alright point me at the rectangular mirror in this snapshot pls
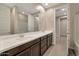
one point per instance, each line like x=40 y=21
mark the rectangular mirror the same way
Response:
x=18 y=18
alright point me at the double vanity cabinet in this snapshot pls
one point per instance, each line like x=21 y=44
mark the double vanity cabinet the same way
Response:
x=35 y=47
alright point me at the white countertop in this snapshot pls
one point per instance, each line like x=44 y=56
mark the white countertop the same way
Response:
x=11 y=41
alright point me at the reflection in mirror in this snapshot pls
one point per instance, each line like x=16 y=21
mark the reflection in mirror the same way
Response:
x=15 y=20
x=36 y=23
x=4 y=20
x=22 y=23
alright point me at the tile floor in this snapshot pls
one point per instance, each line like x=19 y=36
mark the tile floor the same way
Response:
x=59 y=49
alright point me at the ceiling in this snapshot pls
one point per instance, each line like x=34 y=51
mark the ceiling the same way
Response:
x=50 y=5
x=30 y=7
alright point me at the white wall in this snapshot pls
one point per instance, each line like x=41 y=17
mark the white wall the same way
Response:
x=74 y=18
x=76 y=28
x=4 y=20
x=74 y=8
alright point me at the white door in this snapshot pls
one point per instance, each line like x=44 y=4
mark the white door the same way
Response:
x=63 y=27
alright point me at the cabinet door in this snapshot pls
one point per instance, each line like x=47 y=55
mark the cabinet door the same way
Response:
x=26 y=52
x=43 y=50
x=43 y=46
x=35 y=49
x=49 y=39
x=43 y=43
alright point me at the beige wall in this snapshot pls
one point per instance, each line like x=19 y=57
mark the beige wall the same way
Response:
x=47 y=20
x=50 y=19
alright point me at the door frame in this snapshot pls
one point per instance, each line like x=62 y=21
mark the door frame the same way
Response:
x=68 y=24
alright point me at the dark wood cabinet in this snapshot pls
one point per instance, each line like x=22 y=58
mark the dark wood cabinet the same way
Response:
x=43 y=42
x=26 y=52
x=33 y=50
x=43 y=50
x=35 y=47
x=49 y=40
x=43 y=45
x=18 y=49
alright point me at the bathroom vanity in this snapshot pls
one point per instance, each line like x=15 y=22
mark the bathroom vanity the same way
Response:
x=30 y=45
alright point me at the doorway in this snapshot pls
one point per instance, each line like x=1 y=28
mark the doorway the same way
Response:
x=62 y=27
